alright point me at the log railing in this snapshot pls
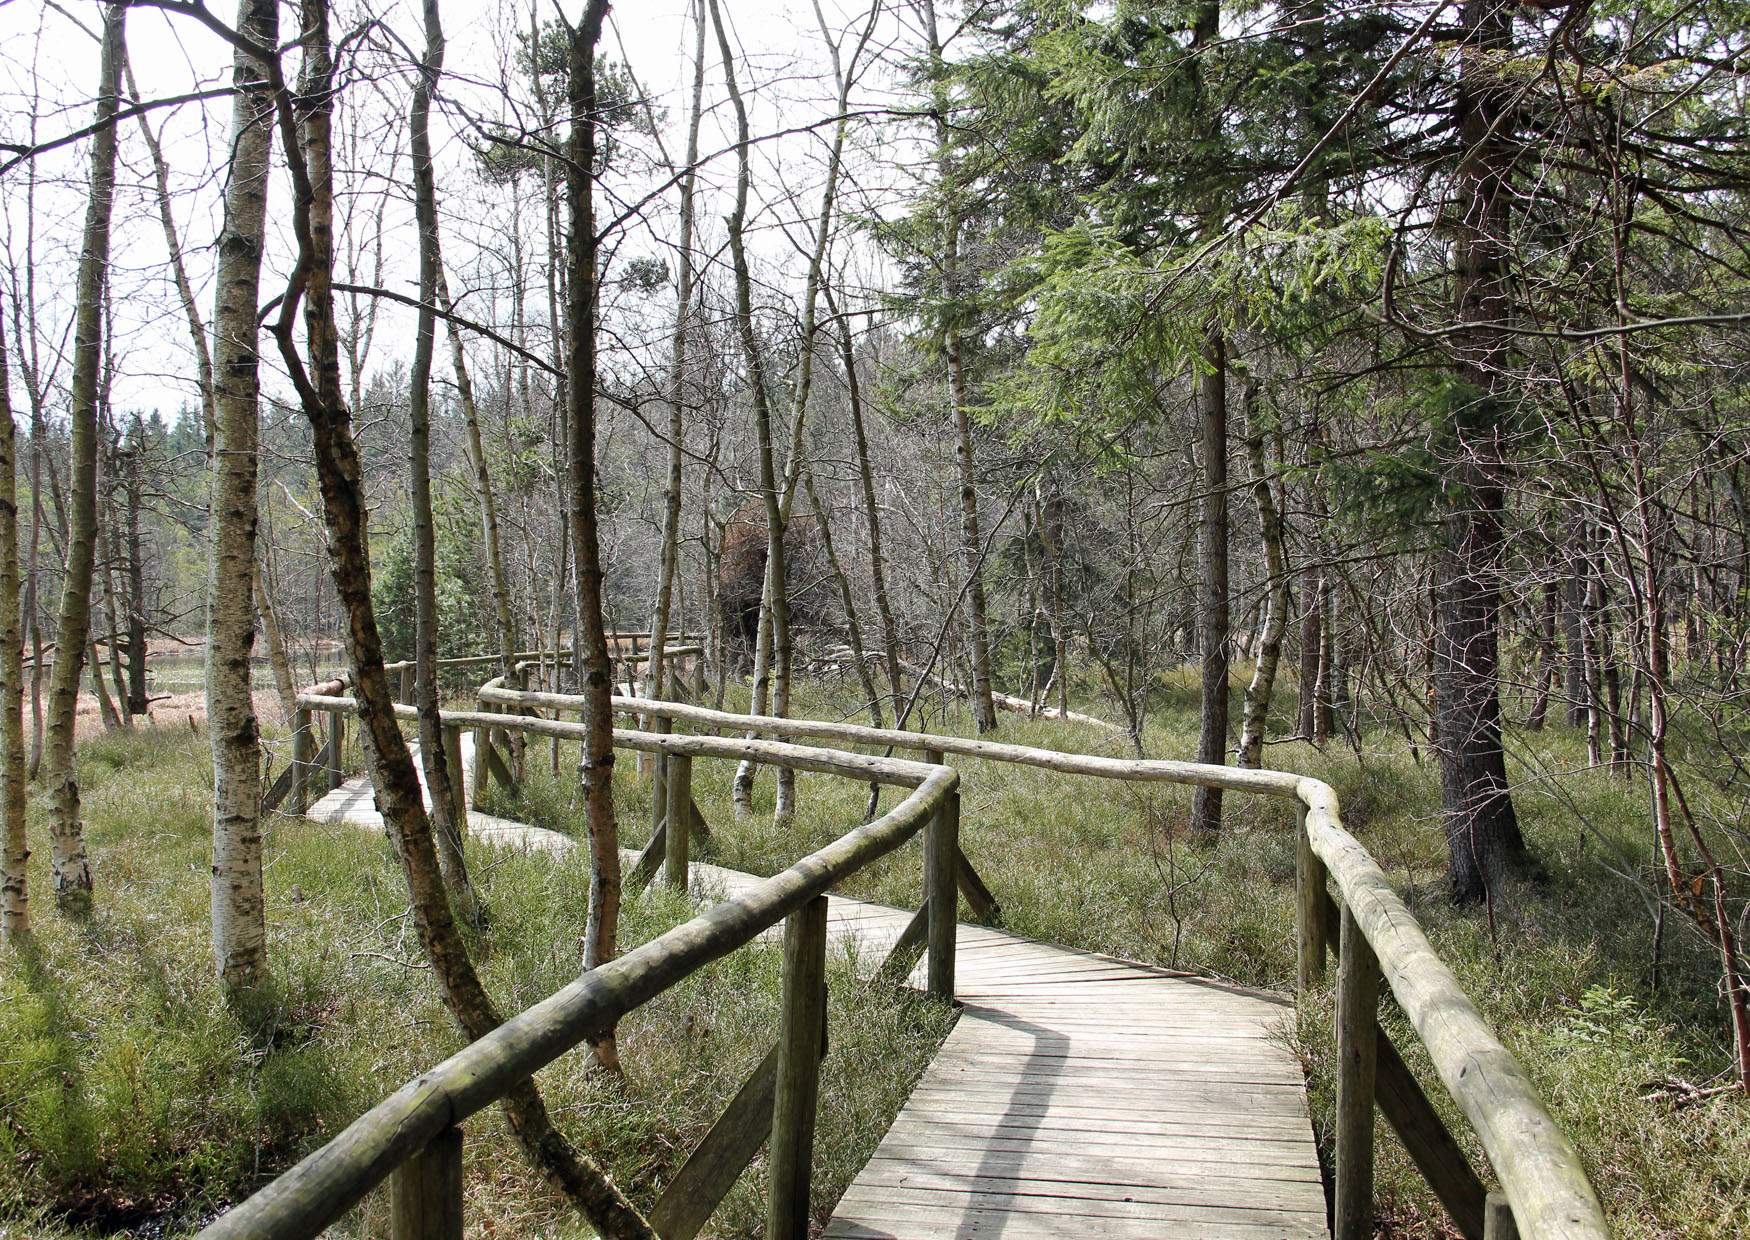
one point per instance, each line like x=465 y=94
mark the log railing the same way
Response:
x=414 y=1137
x=1545 y=1192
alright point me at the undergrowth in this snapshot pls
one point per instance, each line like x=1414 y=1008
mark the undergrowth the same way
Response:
x=132 y=1097
x=133 y=1101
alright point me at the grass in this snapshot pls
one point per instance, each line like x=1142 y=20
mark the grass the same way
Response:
x=127 y=1092
x=1565 y=974
x=133 y=1101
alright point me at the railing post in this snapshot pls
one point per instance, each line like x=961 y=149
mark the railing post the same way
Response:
x=678 y=791
x=1357 y=1068
x=336 y=741
x=941 y=888
x=1498 y=1221
x=1312 y=933
x=452 y=743
x=791 y=1151
x=406 y=687
x=426 y=1192
x=302 y=745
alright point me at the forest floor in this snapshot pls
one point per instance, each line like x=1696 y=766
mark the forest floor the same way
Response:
x=130 y=1097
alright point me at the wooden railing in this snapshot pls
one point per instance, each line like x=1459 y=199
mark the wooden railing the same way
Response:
x=414 y=1137
x=1545 y=1191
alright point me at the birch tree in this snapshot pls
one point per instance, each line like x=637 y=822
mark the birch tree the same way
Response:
x=72 y=868
x=239 y=907
x=15 y=848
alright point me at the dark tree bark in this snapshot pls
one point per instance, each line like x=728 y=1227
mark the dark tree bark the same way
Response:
x=1482 y=832
x=448 y=796
x=581 y=258
x=72 y=869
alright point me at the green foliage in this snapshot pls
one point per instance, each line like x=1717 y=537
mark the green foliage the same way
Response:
x=464 y=620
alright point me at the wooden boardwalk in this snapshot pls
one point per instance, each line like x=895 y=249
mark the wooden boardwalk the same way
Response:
x=1078 y=1095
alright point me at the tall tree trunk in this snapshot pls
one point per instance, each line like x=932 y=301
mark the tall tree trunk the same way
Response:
x=396 y=783
x=580 y=353
x=508 y=638
x=871 y=513
x=203 y=359
x=1212 y=609
x=72 y=869
x=138 y=699
x=1547 y=669
x=1482 y=831
x=1269 y=654
x=285 y=686
x=775 y=613
x=448 y=794
x=238 y=903
x=660 y=616
x=984 y=712
x=15 y=851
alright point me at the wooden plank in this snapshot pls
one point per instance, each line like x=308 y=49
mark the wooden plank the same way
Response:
x=715 y=1164
x=907 y=948
x=1064 y=1209
x=277 y=792
x=1119 y=1166
x=979 y=899
x=1437 y=1155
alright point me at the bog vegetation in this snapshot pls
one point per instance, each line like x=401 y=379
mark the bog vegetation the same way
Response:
x=1347 y=391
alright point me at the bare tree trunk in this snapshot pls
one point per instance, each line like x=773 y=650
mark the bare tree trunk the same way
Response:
x=15 y=853
x=238 y=904
x=72 y=870
x=1269 y=655
x=775 y=613
x=285 y=685
x=1547 y=670
x=984 y=712
x=138 y=699
x=508 y=638
x=871 y=510
x=396 y=782
x=448 y=795
x=203 y=360
x=597 y=771
x=660 y=616
x=1212 y=610
x=1482 y=831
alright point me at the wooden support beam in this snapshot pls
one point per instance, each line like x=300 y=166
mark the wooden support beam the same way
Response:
x=281 y=786
x=1498 y=1218
x=715 y=1164
x=677 y=789
x=336 y=743
x=798 y=1078
x=1430 y=1144
x=1357 y=1064
x=1313 y=906
x=644 y=869
x=303 y=745
x=701 y=828
x=495 y=766
x=941 y=848
x=906 y=948
x=425 y=1195
x=979 y=899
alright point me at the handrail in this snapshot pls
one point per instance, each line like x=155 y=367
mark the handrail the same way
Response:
x=322 y=1187
x=1540 y=1171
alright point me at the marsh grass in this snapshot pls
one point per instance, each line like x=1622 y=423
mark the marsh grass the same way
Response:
x=134 y=1101
x=1564 y=973
x=131 y=1094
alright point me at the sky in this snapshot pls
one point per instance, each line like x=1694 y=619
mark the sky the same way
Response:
x=48 y=67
